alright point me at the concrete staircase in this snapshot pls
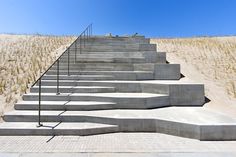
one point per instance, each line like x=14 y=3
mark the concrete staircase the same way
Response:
x=117 y=84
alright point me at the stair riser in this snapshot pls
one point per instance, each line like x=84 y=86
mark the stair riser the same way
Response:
x=119 y=86
x=119 y=54
x=118 y=40
x=48 y=77
x=73 y=53
x=94 y=68
x=121 y=102
x=158 y=56
x=124 y=46
x=55 y=132
x=84 y=50
x=108 y=60
x=117 y=75
x=65 y=107
x=115 y=41
x=133 y=104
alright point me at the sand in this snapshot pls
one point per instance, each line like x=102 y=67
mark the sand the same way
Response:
x=208 y=60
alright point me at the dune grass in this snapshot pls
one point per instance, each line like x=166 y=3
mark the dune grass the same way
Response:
x=214 y=57
x=22 y=57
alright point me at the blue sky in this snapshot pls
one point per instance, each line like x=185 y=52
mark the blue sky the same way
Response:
x=153 y=18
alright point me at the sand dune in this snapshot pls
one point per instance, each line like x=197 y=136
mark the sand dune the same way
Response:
x=210 y=60
x=22 y=57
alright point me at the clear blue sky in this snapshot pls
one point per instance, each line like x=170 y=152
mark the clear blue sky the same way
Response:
x=153 y=18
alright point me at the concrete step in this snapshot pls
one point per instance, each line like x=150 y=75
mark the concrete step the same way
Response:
x=106 y=40
x=78 y=77
x=123 y=100
x=115 y=57
x=122 y=45
x=108 y=66
x=129 y=75
x=188 y=122
x=111 y=44
x=73 y=89
x=65 y=105
x=96 y=67
x=107 y=60
x=110 y=48
x=159 y=57
x=51 y=129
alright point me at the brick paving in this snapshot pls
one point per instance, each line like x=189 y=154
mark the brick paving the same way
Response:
x=113 y=143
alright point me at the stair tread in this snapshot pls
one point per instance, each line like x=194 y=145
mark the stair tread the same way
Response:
x=63 y=103
x=189 y=115
x=116 y=71
x=79 y=87
x=117 y=94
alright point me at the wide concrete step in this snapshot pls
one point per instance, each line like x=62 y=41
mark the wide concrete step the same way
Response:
x=65 y=105
x=58 y=128
x=123 y=100
x=73 y=89
x=188 y=122
x=138 y=75
x=78 y=77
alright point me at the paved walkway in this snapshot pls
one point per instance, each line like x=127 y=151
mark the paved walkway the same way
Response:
x=118 y=144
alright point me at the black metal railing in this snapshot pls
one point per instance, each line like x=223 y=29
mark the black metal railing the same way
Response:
x=83 y=37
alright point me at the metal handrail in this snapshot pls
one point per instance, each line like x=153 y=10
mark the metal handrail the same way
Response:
x=87 y=33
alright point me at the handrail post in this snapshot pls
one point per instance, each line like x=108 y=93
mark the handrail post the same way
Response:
x=58 y=77
x=80 y=44
x=39 y=107
x=88 y=34
x=84 y=40
x=68 y=61
x=75 y=50
x=89 y=31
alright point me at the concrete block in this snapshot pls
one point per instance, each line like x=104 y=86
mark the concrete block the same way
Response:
x=167 y=71
x=186 y=95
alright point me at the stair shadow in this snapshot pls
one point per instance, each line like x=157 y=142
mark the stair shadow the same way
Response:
x=207 y=100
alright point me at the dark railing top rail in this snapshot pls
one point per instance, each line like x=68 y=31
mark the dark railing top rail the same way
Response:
x=88 y=27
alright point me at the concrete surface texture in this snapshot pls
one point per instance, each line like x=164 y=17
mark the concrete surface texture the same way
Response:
x=118 y=84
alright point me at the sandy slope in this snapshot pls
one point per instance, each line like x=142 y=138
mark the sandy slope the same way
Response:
x=211 y=61
x=21 y=59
